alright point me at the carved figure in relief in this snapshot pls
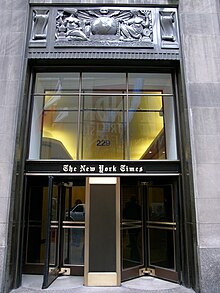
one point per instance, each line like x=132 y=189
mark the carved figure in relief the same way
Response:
x=111 y=25
x=70 y=28
x=74 y=27
x=136 y=27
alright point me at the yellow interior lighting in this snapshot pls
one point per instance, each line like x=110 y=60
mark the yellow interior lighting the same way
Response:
x=145 y=124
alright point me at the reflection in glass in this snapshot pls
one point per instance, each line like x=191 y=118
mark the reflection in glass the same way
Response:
x=37 y=207
x=160 y=204
x=161 y=248
x=74 y=218
x=73 y=246
x=53 y=246
x=54 y=225
x=103 y=120
x=140 y=81
x=75 y=203
x=59 y=135
x=131 y=247
x=102 y=127
x=57 y=81
x=132 y=251
x=55 y=203
x=103 y=115
x=148 y=227
x=161 y=226
x=146 y=127
x=102 y=81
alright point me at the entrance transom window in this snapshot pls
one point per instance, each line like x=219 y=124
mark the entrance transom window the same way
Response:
x=103 y=115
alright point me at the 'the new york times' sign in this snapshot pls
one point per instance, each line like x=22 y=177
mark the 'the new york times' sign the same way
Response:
x=102 y=168
x=116 y=168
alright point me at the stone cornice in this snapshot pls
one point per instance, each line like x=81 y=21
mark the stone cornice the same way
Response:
x=155 y=3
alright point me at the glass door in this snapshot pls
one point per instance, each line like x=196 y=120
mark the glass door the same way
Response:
x=53 y=235
x=54 y=227
x=131 y=230
x=73 y=226
x=148 y=228
x=160 y=231
x=65 y=229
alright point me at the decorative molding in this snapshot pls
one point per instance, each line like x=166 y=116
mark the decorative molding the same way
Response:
x=168 y=25
x=95 y=54
x=104 y=27
x=107 y=2
x=39 y=26
x=103 y=32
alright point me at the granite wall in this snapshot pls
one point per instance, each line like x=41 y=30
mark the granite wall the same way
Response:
x=200 y=35
x=13 y=14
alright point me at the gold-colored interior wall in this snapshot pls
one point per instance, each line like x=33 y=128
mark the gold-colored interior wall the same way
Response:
x=103 y=129
x=60 y=125
x=144 y=128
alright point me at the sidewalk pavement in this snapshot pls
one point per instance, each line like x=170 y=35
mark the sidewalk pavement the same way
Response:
x=70 y=284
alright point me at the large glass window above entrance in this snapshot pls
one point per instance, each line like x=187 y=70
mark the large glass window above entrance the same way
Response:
x=103 y=115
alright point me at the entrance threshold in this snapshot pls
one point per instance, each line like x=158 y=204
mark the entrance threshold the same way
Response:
x=32 y=284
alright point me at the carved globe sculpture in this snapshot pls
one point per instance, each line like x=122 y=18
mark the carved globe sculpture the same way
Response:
x=104 y=26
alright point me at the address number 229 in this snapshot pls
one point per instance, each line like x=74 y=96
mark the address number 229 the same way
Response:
x=103 y=142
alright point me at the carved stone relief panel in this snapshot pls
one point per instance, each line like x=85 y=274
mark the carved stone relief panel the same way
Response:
x=104 y=27
x=168 y=26
x=59 y=29
x=39 y=27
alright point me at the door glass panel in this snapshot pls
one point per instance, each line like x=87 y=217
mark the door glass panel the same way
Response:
x=37 y=207
x=53 y=246
x=161 y=248
x=148 y=227
x=65 y=244
x=161 y=226
x=54 y=227
x=160 y=204
x=74 y=246
x=74 y=225
x=132 y=249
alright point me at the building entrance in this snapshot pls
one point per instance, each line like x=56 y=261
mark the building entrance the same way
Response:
x=149 y=228
x=55 y=226
x=57 y=208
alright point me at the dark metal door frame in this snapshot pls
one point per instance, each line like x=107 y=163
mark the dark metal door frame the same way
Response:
x=159 y=271
x=50 y=274
x=53 y=271
x=148 y=269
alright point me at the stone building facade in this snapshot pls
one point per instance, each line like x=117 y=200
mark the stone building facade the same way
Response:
x=23 y=49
